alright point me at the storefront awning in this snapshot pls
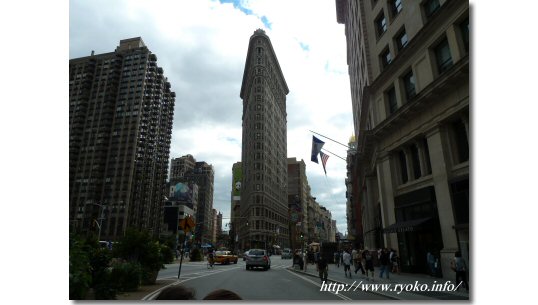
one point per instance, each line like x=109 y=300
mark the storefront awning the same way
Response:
x=405 y=226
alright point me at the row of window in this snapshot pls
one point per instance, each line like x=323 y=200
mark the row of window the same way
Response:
x=443 y=60
x=414 y=159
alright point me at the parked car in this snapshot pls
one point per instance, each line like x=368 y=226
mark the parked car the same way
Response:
x=286 y=253
x=258 y=258
x=225 y=257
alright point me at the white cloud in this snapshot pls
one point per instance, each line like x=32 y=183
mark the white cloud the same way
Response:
x=202 y=47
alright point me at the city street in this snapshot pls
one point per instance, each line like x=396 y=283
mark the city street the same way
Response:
x=277 y=283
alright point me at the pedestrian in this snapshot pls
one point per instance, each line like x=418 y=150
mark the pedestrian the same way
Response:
x=323 y=268
x=305 y=263
x=384 y=260
x=368 y=263
x=394 y=260
x=337 y=259
x=357 y=260
x=176 y=292
x=222 y=294
x=347 y=263
x=459 y=265
x=430 y=259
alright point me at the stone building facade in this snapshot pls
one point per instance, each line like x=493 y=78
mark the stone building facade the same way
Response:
x=409 y=176
x=264 y=201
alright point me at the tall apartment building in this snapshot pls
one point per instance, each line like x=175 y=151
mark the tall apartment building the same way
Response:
x=120 y=124
x=409 y=74
x=186 y=169
x=264 y=199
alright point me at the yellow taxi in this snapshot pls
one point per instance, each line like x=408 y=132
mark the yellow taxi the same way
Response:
x=225 y=257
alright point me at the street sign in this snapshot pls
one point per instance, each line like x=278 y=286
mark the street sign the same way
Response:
x=186 y=224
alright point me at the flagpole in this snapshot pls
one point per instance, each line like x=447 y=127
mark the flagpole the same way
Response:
x=330 y=139
x=334 y=154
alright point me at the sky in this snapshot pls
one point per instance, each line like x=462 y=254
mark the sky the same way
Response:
x=202 y=46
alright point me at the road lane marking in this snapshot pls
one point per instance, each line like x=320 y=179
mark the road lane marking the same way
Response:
x=154 y=294
x=343 y=297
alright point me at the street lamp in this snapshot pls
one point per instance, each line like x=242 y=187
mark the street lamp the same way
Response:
x=100 y=223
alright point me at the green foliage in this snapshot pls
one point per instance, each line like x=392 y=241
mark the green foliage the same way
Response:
x=103 y=286
x=138 y=246
x=195 y=255
x=126 y=276
x=79 y=270
x=167 y=254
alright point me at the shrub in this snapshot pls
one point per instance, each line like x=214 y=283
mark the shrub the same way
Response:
x=138 y=246
x=79 y=270
x=126 y=276
x=167 y=254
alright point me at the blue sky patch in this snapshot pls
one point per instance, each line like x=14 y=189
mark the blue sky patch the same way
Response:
x=237 y=5
x=304 y=46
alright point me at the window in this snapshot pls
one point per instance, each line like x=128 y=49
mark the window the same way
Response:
x=409 y=84
x=442 y=54
x=430 y=7
x=464 y=27
x=461 y=142
x=401 y=40
x=396 y=6
x=391 y=98
x=403 y=166
x=381 y=24
x=416 y=161
x=427 y=156
x=386 y=58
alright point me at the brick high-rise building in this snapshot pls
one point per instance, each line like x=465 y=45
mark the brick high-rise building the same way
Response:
x=263 y=211
x=120 y=124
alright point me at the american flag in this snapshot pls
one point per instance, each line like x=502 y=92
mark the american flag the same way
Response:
x=324 y=158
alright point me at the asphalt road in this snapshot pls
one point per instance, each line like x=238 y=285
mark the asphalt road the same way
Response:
x=277 y=283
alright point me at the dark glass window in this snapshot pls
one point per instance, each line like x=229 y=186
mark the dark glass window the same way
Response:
x=401 y=40
x=430 y=7
x=396 y=7
x=461 y=141
x=442 y=54
x=409 y=84
x=393 y=104
x=381 y=24
x=403 y=166
x=386 y=58
x=464 y=27
x=427 y=156
x=416 y=161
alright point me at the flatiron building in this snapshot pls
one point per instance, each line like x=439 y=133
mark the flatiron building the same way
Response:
x=263 y=214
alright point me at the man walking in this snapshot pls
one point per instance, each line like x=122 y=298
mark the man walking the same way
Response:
x=347 y=263
x=323 y=268
x=385 y=263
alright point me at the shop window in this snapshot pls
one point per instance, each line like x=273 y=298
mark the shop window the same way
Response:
x=461 y=142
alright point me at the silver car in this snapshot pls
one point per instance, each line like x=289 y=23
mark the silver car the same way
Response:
x=258 y=258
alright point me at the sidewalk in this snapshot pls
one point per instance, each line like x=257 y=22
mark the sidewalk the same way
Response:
x=336 y=274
